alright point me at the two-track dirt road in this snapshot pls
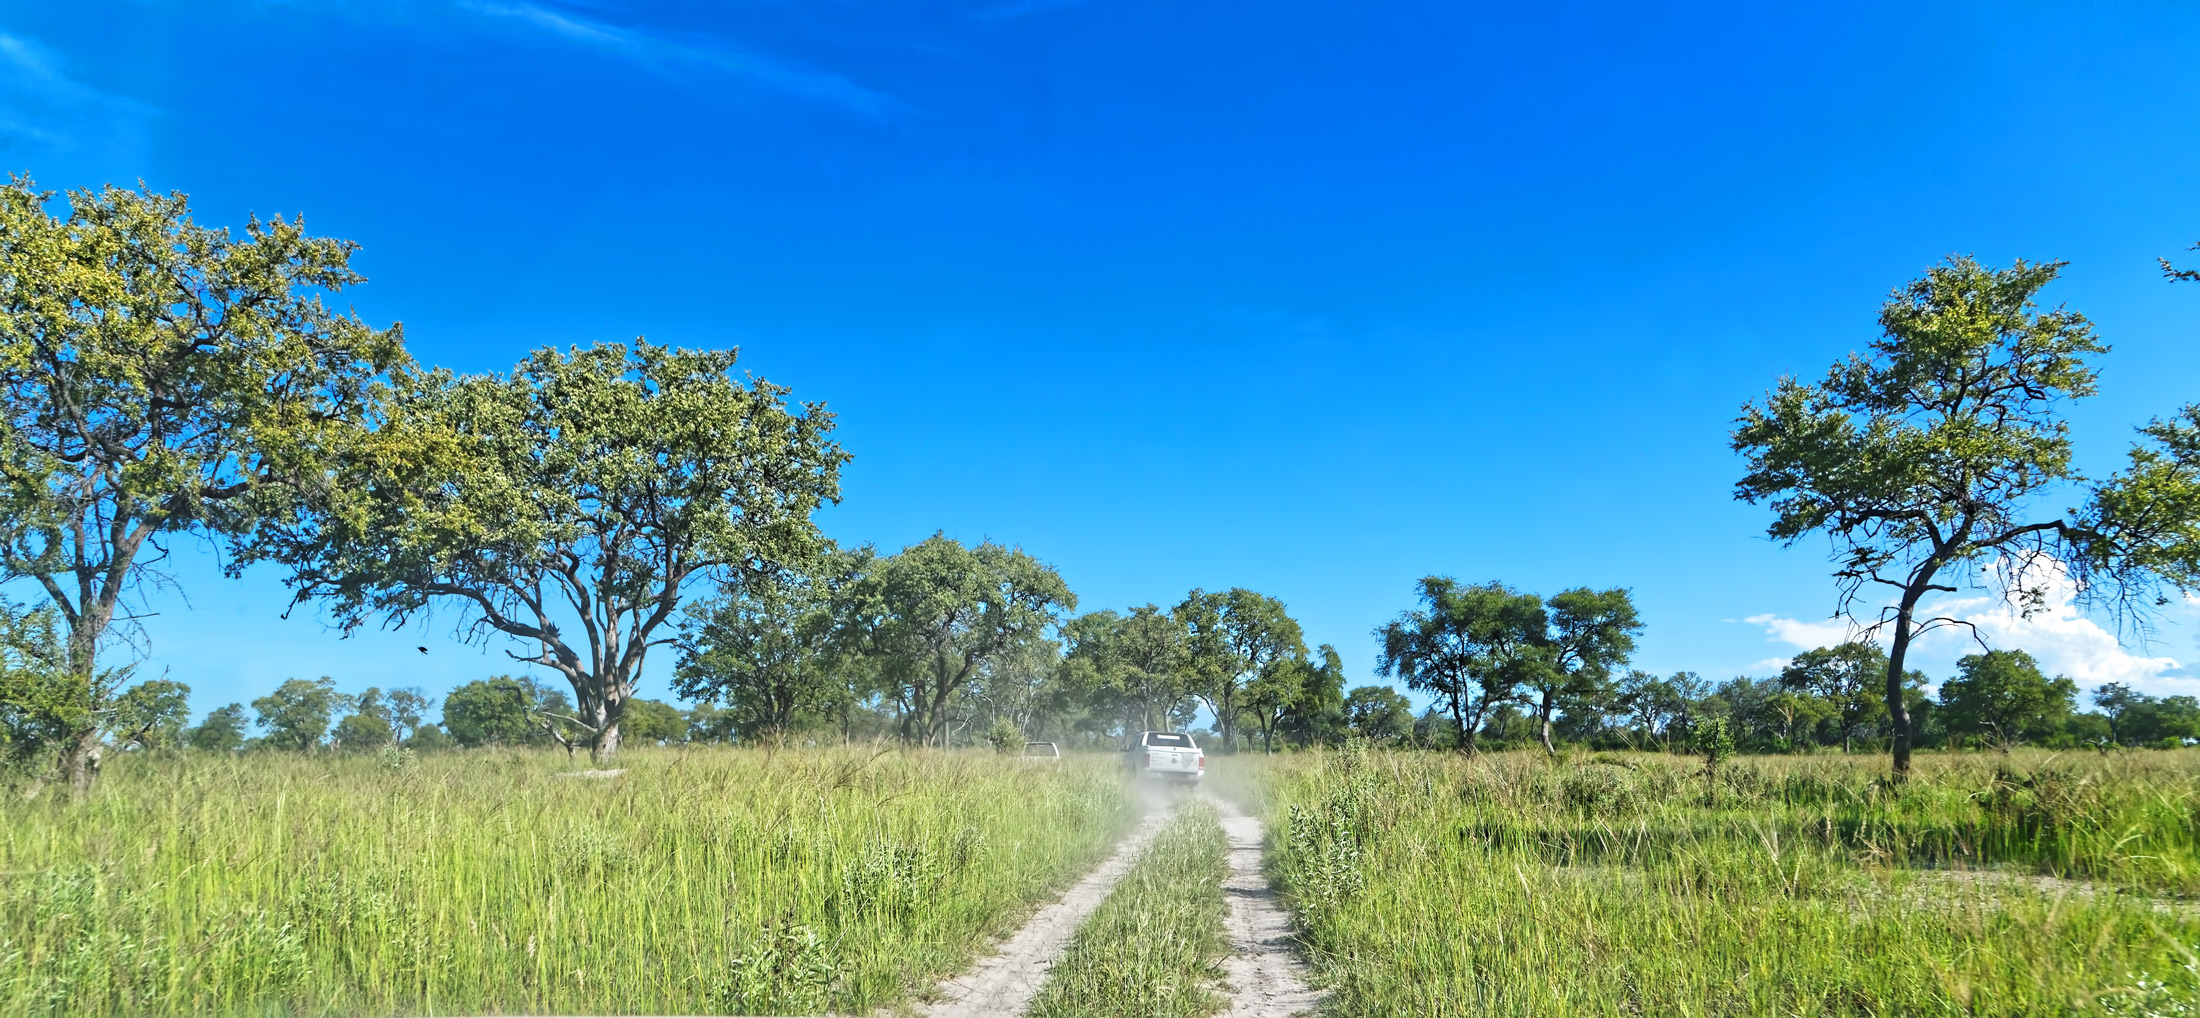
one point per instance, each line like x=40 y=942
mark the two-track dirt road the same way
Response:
x=1265 y=977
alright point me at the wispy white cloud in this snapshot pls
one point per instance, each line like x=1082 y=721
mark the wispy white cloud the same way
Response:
x=41 y=104
x=2063 y=638
x=1805 y=635
x=661 y=52
x=1020 y=8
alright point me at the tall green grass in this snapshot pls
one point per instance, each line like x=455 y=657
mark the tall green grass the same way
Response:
x=1154 y=948
x=1509 y=885
x=705 y=881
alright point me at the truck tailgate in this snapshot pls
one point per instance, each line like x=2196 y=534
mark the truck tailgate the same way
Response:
x=1163 y=758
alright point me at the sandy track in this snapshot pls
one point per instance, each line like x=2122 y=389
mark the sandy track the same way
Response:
x=1004 y=983
x=1267 y=979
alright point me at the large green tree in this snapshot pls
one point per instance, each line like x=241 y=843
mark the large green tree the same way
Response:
x=2002 y=695
x=161 y=378
x=1926 y=462
x=1315 y=716
x=506 y=710
x=296 y=714
x=1232 y=638
x=566 y=505
x=1378 y=714
x=1132 y=666
x=222 y=731
x=764 y=647
x=1847 y=679
x=940 y=614
x=1470 y=645
x=1275 y=693
x=1588 y=633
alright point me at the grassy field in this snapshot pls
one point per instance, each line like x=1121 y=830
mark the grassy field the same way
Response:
x=1154 y=948
x=742 y=881
x=2030 y=884
x=712 y=881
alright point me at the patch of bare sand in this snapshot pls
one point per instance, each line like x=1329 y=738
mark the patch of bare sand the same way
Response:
x=1266 y=977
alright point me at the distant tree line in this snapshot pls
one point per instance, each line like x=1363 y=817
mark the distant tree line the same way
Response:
x=1825 y=699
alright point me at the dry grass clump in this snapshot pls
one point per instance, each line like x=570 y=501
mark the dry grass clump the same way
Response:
x=700 y=881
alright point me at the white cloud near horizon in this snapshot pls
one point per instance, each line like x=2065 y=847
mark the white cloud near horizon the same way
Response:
x=2059 y=635
x=661 y=52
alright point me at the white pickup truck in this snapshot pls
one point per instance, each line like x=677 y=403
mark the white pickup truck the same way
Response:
x=1171 y=755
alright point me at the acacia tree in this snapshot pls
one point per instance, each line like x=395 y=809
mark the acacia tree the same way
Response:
x=1589 y=633
x=1469 y=645
x=938 y=614
x=1646 y=701
x=161 y=378
x=1231 y=638
x=1924 y=463
x=566 y=505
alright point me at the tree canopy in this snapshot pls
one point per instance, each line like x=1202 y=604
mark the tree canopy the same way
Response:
x=1469 y=645
x=1137 y=664
x=161 y=378
x=1925 y=463
x=765 y=648
x=1232 y=638
x=2003 y=695
x=939 y=614
x=565 y=505
x=1588 y=634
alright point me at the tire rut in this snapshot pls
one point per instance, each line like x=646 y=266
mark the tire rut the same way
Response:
x=1004 y=983
x=1266 y=977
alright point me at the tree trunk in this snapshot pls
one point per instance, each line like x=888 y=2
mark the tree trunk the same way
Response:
x=1898 y=713
x=80 y=756
x=1548 y=706
x=605 y=745
x=80 y=762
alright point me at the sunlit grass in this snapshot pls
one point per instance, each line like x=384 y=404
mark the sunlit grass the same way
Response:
x=1154 y=948
x=704 y=881
x=1509 y=885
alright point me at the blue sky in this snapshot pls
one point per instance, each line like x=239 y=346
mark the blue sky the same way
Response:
x=1309 y=298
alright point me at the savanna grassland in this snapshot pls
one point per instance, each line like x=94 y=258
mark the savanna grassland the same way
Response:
x=2027 y=884
x=700 y=881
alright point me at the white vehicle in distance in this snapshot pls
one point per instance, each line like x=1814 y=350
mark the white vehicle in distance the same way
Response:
x=1042 y=752
x=1170 y=755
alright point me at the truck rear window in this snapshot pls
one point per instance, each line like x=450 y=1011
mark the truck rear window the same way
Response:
x=1160 y=739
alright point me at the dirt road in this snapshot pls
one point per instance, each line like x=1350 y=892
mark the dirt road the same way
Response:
x=1004 y=983
x=1267 y=979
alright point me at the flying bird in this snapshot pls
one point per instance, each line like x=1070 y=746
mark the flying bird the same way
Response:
x=423 y=650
